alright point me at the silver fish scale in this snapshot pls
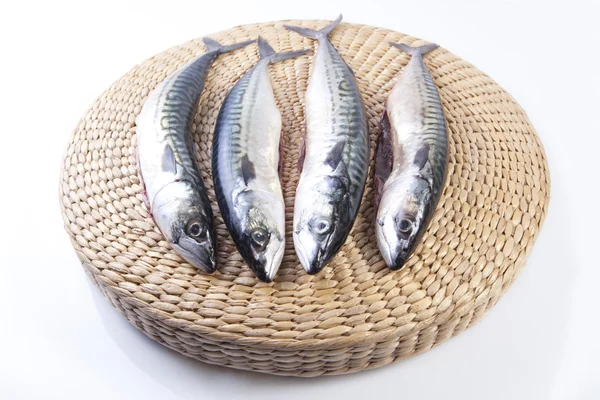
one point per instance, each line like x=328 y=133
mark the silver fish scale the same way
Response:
x=414 y=146
x=427 y=107
x=178 y=101
x=232 y=119
x=348 y=122
x=245 y=169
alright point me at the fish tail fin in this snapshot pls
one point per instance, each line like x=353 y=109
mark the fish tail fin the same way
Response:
x=213 y=45
x=264 y=48
x=310 y=33
x=327 y=30
x=422 y=50
x=266 y=52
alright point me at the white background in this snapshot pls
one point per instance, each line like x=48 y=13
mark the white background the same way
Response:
x=59 y=339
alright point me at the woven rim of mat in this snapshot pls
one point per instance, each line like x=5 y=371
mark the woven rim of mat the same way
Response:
x=356 y=313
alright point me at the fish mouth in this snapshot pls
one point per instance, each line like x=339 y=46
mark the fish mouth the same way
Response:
x=260 y=272
x=399 y=260
x=301 y=253
x=275 y=262
x=311 y=253
x=316 y=266
x=386 y=252
x=202 y=258
x=263 y=272
x=319 y=262
x=265 y=266
x=396 y=256
x=392 y=250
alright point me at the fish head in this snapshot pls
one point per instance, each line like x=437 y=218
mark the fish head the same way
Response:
x=262 y=238
x=404 y=212
x=177 y=212
x=322 y=221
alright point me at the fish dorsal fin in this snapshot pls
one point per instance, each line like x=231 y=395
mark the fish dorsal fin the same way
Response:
x=168 y=162
x=248 y=172
x=422 y=156
x=335 y=155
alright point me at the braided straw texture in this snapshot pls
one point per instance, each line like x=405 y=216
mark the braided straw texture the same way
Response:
x=356 y=314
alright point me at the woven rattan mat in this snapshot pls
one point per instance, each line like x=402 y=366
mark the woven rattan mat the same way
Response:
x=355 y=314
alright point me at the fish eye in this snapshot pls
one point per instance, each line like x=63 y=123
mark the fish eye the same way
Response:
x=321 y=226
x=194 y=228
x=405 y=225
x=259 y=238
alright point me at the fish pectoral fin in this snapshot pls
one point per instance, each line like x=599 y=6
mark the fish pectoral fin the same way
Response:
x=427 y=177
x=422 y=156
x=168 y=162
x=302 y=155
x=280 y=162
x=383 y=156
x=335 y=155
x=248 y=172
x=384 y=153
x=378 y=184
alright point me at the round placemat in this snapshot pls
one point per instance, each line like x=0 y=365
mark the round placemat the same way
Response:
x=356 y=313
